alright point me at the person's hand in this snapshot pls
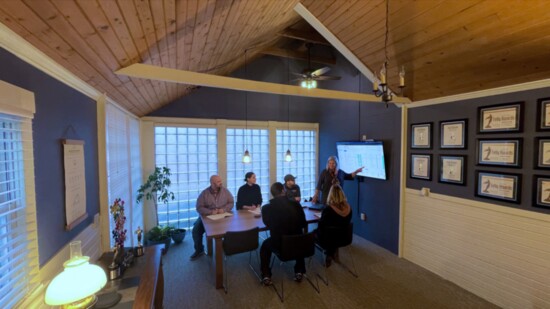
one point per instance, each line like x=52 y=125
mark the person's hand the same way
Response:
x=221 y=211
x=314 y=200
x=297 y=199
x=359 y=170
x=248 y=207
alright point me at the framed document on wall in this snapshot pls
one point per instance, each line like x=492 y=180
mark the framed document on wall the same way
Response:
x=542 y=146
x=541 y=188
x=499 y=186
x=500 y=118
x=543 y=114
x=421 y=135
x=421 y=166
x=504 y=152
x=452 y=169
x=453 y=133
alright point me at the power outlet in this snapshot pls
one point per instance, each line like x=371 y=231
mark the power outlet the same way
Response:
x=364 y=216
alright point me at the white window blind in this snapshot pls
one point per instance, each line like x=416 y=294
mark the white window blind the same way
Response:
x=18 y=245
x=303 y=146
x=123 y=167
x=191 y=154
x=258 y=145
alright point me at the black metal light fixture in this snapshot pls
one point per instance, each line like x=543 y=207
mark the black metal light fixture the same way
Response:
x=380 y=86
x=288 y=155
x=246 y=156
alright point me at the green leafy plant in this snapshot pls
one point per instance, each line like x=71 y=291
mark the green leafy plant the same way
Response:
x=159 y=233
x=156 y=188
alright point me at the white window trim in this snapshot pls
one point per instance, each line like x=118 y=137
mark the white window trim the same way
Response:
x=148 y=144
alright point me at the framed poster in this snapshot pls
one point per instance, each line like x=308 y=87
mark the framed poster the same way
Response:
x=543 y=114
x=499 y=186
x=75 y=182
x=452 y=169
x=503 y=152
x=453 y=133
x=421 y=135
x=421 y=166
x=542 y=146
x=500 y=118
x=541 y=188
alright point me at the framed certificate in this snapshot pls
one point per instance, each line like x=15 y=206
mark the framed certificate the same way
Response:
x=452 y=169
x=499 y=186
x=504 y=152
x=500 y=118
x=421 y=135
x=453 y=133
x=541 y=188
x=542 y=146
x=421 y=166
x=543 y=114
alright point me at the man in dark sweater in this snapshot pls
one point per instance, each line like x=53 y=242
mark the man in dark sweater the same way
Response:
x=282 y=217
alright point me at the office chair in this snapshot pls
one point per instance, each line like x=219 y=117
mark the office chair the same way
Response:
x=240 y=242
x=337 y=237
x=294 y=247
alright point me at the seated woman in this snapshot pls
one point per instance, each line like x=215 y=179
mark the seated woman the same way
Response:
x=337 y=214
x=249 y=195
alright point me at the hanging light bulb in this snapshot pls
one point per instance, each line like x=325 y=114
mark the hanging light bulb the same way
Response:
x=246 y=157
x=288 y=156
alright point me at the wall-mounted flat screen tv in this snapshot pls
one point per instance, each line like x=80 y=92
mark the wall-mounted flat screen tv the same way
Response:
x=370 y=155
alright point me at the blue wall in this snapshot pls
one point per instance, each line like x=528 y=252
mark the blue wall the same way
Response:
x=58 y=108
x=338 y=120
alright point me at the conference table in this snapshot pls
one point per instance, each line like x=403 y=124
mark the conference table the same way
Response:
x=241 y=220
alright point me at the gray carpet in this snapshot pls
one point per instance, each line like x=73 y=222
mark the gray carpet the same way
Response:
x=385 y=281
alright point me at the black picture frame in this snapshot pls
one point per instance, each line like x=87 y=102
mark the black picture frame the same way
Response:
x=543 y=114
x=453 y=134
x=421 y=135
x=542 y=152
x=499 y=154
x=452 y=169
x=498 y=186
x=541 y=191
x=421 y=166
x=500 y=118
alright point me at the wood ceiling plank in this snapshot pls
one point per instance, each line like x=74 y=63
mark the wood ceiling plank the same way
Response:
x=357 y=12
x=203 y=21
x=156 y=8
x=326 y=10
x=236 y=48
x=146 y=20
x=41 y=31
x=341 y=11
x=131 y=18
x=119 y=25
x=185 y=23
x=170 y=24
x=221 y=12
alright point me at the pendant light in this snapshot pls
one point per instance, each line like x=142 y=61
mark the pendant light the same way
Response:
x=246 y=156
x=288 y=155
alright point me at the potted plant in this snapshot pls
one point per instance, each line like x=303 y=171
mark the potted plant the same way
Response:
x=178 y=235
x=159 y=235
x=156 y=188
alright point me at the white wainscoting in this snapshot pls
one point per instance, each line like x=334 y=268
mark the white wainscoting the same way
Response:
x=500 y=253
x=91 y=247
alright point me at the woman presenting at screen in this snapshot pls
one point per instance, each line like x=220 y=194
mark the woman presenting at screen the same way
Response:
x=330 y=176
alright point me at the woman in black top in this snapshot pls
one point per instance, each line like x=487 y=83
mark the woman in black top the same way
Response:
x=336 y=214
x=249 y=195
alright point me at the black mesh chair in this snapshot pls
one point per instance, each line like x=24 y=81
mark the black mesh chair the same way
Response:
x=240 y=242
x=337 y=237
x=296 y=247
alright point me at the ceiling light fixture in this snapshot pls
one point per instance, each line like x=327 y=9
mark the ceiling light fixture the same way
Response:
x=380 y=86
x=288 y=155
x=246 y=156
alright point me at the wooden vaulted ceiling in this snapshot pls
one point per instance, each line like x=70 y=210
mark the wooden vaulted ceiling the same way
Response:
x=446 y=47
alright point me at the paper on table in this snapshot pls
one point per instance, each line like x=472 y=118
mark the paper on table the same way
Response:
x=317 y=214
x=257 y=211
x=219 y=216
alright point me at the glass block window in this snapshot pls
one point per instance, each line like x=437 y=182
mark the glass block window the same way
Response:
x=303 y=146
x=257 y=142
x=191 y=154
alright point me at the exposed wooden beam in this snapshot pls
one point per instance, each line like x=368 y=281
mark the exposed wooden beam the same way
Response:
x=310 y=37
x=292 y=54
x=200 y=79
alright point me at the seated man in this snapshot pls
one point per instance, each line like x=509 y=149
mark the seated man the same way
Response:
x=282 y=217
x=292 y=190
x=213 y=200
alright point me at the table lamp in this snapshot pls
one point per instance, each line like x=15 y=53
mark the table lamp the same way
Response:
x=76 y=285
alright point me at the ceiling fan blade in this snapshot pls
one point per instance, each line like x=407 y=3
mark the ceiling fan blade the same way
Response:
x=320 y=71
x=326 y=77
x=299 y=74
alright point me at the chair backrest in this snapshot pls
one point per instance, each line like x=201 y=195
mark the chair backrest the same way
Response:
x=297 y=246
x=239 y=242
x=336 y=236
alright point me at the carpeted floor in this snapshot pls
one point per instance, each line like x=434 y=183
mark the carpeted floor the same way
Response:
x=385 y=281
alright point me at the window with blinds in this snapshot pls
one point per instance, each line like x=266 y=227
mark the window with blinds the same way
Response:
x=303 y=146
x=191 y=154
x=17 y=219
x=123 y=166
x=257 y=142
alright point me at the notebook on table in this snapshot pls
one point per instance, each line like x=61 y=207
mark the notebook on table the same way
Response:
x=313 y=206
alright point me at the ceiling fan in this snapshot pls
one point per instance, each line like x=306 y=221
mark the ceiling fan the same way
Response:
x=309 y=77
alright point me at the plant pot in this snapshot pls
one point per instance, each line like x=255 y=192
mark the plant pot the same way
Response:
x=178 y=235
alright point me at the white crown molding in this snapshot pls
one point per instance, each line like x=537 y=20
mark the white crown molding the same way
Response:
x=544 y=83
